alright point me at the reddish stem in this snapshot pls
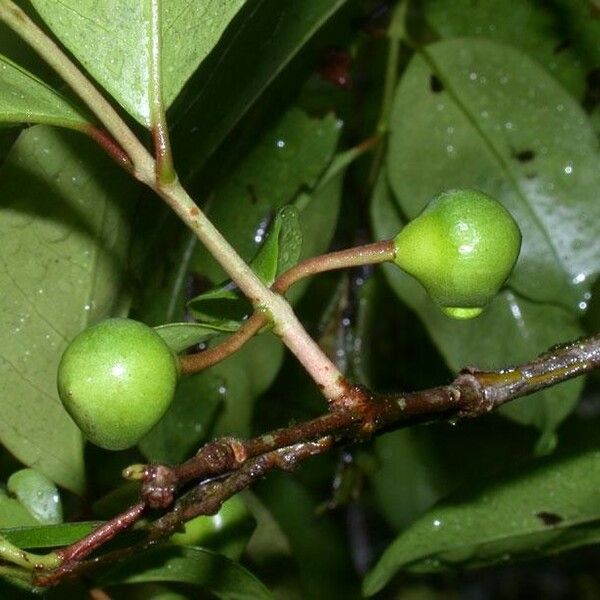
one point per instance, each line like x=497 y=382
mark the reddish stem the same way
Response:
x=111 y=147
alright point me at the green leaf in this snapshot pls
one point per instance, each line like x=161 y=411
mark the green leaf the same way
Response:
x=503 y=125
x=221 y=576
x=528 y=328
x=38 y=494
x=561 y=38
x=282 y=247
x=26 y=99
x=13 y=513
x=529 y=511
x=198 y=400
x=318 y=546
x=48 y=536
x=112 y=41
x=222 y=306
x=180 y=336
x=64 y=234
x=226 y=532
x=288 y=159
x=225 y=307
x=277 y=32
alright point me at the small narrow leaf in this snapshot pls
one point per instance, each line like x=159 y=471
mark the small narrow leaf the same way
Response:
x=287 y=162
x=48 y=536
x=221 y=306
x=26 y=99
x=282 y=247
x=179 y=336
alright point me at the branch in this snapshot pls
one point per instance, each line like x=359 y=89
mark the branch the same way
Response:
x=226 y=466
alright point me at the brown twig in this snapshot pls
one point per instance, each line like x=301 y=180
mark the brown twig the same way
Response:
x=471 y=394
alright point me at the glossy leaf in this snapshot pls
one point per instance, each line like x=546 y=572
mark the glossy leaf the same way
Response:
x=49 y=536
x=113 y=42
x=527 y=512
x=194 y=566
x=37 y=494
x=26 y=99
x=289 y=158
x=528 y=328
x=215 y=102
x=546 y=35
x=179 y=336
x=282 y=247
x=501 y=124
x=64 y=233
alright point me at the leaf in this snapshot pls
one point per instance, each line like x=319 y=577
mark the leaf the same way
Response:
x=37 y=494
x=112 y=40
x=48 y=536
x=410 y=477
x=194 y=566
x=215 y=102
x=179 y=336
x=282 y=247
x=287 y=159
x=64 y=234
x=503 y=125
x=317 y=544
x=222 y=306
x=561 y=38
x=225 y=307
x=528 y=328
x=26 y=99
x=226 y=532
x=13 y=513
x=527 y=512
x=198 y=401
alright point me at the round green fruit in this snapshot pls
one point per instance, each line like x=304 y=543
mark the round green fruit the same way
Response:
x=461 y=248
x=116 y=379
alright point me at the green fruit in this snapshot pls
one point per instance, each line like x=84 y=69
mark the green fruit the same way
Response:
x=461 y=248
x=116 y=379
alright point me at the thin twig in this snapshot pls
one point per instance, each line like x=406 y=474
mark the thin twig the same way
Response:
x=21 y=24
x=471 y=394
